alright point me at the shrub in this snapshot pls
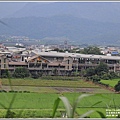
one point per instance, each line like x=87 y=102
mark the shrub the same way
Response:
x=117 y=86
x=21 y=72
x=106 y=76
x=95 y=78
x=34 y=75
x=6 y=74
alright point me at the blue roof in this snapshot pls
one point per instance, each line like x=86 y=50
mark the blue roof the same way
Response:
x=114 y=52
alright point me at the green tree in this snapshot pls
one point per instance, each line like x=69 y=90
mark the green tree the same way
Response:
x=91 y=50
x=101 y=69
x=21 y=72
x=90 y=72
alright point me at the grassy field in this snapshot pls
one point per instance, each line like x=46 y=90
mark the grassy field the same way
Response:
x=48 y=83
x=39 y=102
x=111 y=83
x=52 y=86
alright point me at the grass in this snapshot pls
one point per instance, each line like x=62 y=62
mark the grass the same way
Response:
x=52 y=86
x=44 y=102
x=31 y=89
x=31 y=113
x=81 y=111
x=111 y=83
x=39 y=103
x=48 y=83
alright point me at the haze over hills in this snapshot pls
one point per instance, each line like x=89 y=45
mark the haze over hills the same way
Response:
x=100 y=11
x=9 y=8
x=79 y=22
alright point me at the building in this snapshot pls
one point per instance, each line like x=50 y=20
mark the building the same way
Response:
x=51 y=63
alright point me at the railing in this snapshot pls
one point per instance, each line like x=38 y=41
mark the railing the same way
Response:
x=46 y=69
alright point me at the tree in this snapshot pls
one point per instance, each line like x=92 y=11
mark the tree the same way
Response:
x=91 y=50
x=21 y=72
x=101 y=69
x=90 y=72
x=117 y=86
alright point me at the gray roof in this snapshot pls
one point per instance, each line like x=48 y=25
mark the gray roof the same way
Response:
x=77 y=55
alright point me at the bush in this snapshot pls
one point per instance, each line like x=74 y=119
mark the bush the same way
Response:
x=113 y=75
x=106 y=76
x=34 y=75
x=117 y=86
x=6 y=74
x=21 y=72
x=95 y=78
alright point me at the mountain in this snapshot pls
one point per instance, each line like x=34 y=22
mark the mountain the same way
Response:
x=8 y=8
x=51 y=22
x=98 y=11
x=76 y=30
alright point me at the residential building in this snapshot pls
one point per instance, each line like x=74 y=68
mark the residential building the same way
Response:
x=57 y=63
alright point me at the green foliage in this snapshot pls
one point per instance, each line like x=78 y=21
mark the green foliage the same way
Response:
x=106 y=76
x=95 y=78
x=36 y=75
x=6 y=74
x=90 y=72
x=100 y=72
x=21 y=72
x=117 y=86
x=70 y=109
x=101 y=69
x=113 y=75
x=91 y=50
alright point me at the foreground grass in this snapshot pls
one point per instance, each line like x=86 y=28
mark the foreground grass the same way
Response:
x=45 y=101
x=40 y=104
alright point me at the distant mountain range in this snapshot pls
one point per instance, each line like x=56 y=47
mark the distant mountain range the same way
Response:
x=78 y=22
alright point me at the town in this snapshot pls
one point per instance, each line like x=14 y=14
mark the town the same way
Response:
x=65 y=59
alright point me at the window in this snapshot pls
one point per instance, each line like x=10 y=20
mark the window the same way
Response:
x=68 y=61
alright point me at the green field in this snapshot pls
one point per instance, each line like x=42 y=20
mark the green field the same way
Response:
x=111 y=83
x=52 y=86
x=38 y=103
x=48 y=83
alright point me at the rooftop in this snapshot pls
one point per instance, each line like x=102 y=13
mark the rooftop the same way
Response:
x=77 y=55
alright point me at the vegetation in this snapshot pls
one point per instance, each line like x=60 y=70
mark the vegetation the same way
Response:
x=96 y=73
x=14 y=100
x=70 y=109
x=41 y=104
x=111 y=82
x=48 y=83
x=117 y=86
x=91 y=50
x=100 y=72
x=21 y=72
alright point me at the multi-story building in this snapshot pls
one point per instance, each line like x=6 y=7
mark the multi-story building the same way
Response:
x=61 y=63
